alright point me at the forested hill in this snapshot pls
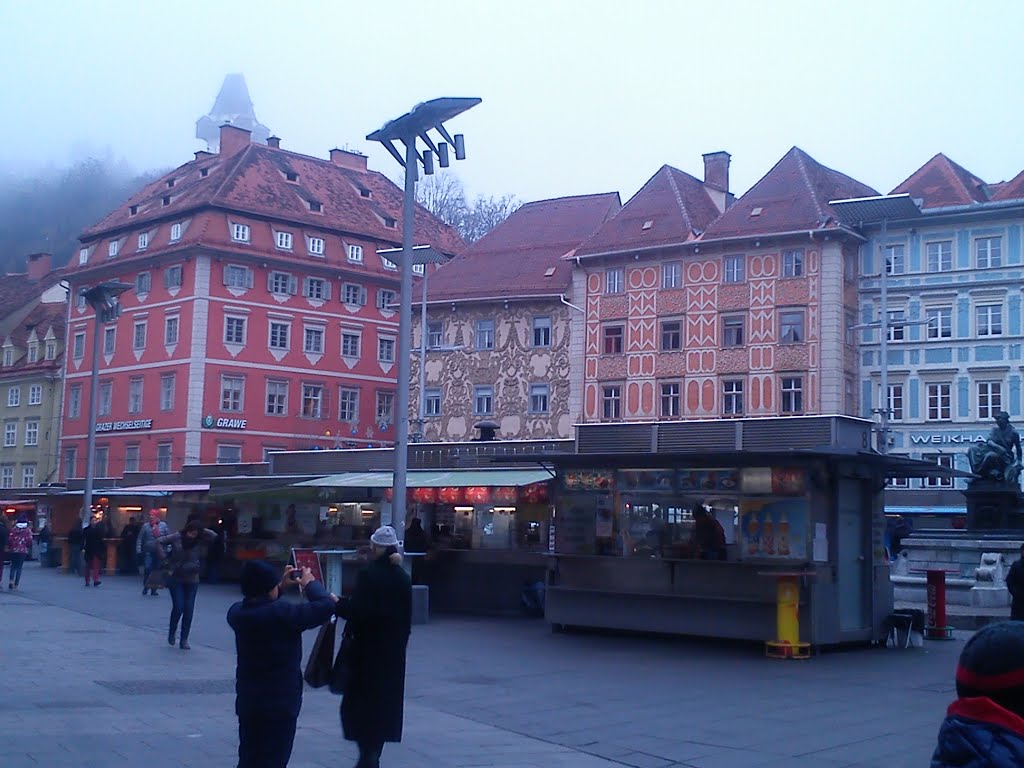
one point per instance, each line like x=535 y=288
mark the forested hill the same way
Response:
x=48 y=210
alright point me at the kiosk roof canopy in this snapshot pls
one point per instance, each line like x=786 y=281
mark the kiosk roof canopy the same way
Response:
x=432 y=479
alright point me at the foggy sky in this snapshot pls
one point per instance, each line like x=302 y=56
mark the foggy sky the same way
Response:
x=578 y=96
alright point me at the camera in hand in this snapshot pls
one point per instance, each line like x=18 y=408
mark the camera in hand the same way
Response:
x=295 y=575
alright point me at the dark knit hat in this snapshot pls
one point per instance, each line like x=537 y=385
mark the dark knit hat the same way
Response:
x=258 y=578
x=992 y=665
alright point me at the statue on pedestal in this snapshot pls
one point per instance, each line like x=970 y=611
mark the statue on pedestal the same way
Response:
x=998 y=459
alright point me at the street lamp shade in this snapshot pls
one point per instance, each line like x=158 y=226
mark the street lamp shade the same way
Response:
x=423 y=117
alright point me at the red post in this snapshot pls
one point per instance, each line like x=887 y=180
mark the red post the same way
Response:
x=936 y=628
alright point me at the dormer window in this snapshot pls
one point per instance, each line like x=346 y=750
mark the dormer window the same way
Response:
x=167 y=200
x=314 y=206
x=170 y=183
x=204 y=172
x=417 y=269
x=316 y=246
x=175 y=232
x=33 y=353
x=113 y=248
x=390 y=223
x=240 y=233
x=647 y=224
x=756 y=211
x=8 y=358
x=132 y=210
x=143 y=241
x=365 y=193
x=83 y=256
x=51 y=350
x=284 y=241
x=291 y=176
x=388 y=264
x=355 y=254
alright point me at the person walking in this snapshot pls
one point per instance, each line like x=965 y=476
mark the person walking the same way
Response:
x=984 y=727
x=268 y=645
x=183 y=563
x=146 y=545
x=19 y=543
x=379 y=615
x=4 y=535
x=126 y=551
x=76 y=537
x=1015 y=585
x=215 y=554
x=95 y=546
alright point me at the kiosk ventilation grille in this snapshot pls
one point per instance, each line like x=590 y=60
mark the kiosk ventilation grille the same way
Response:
x=615 y=438
x=681 y=437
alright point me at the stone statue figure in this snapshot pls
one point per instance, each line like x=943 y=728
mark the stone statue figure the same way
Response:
x=998 y=458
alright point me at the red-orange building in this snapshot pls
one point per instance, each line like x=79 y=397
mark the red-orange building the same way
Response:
x=260 y=316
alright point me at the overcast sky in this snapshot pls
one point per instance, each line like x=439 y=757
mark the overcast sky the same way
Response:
x=578 y=96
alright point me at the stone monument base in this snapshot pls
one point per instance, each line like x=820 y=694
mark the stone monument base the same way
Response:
x=994 y=507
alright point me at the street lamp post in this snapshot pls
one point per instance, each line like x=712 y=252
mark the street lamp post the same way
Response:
x=407 y=129
x=880 y=210
x=102 y=298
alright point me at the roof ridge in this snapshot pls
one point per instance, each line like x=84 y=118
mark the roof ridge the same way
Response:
x=801 y=159
x=228 y=171
x=678 y=196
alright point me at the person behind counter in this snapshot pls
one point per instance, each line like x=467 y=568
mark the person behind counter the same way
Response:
x=708 y=534
x=183 y=564
x=416 y=540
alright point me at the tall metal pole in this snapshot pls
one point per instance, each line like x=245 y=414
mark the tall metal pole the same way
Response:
x=423 y=358
x=404 y=341
x=883 y=301
x=94 y=406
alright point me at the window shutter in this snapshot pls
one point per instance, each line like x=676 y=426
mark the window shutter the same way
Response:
x=270 y=282
x=327 y=290
x=293 y=284
x=223 y=274
x=325 y=404
x=362 y=295
x=248 y=278
x=167 y=278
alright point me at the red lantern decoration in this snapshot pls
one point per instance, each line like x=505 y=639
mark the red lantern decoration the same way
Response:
x=504 y=495
x=478 y=494
x=449 y=495
x=424 y=495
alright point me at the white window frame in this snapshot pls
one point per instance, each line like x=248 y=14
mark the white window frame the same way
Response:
x=112 y=248
x=939 y=256
x=611 y=402
x=896 y=327
x=432 y=403
x=172 y=327
x=355 y=254
x=284 y=240
x=10 y=434
x=353 y=294
x=164 y=457
x=348 y=404
x=672 y=275
x=232 y=393
x=278 y=325
x=732 y=397
x=540 y=398
x=281 y=283
x=386 y=349
x=483 y=400
x=241 y=233
x=13 y=397
x=990 y=399
x=28 y=475
x=989 y=256
x=895 y=259
x=106 y=406
x=351 y=344
x=895 y=402
x=783 y=313
x=386 y=297
x=793 y=263
x=139 y=341
x=791 y=388
x=35 y=394
x=235 y=329
x=614 y=280
x=168 y=392
x=939 y=323
x=143 y=242
x=175 y=232
x=109 y=339
x=31 y=433
x=276 y=400
x=988 y=320
x=312 y=401
x=6 y=477
x=734 y=330
x=316 y=289
x=313 y=339
x=939 y=400
x=943 y=460
x=75 y=401
x=78 y=345
x=229 y=453
x=542 y=327
x=670 y=399
x=51 y=350
x=734 y=268
x=136 y=388
x=316 y=246
x=131 y=458
x=384 y=407
x=484 y=334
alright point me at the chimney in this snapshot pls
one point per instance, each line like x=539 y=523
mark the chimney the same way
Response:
x=274 y=142
x=716 y=170
x=233 y=139
x=39 y=266
x=202 y=154
x=346 y=159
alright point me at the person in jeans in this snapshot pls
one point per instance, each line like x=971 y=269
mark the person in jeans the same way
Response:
x=4 y=534
x=268 y=643
x=95 y=548
x=19 y=543
x=184 y=563
x=146 y=545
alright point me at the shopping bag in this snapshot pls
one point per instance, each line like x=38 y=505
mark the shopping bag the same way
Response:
x=341 y=672
x=321 y=659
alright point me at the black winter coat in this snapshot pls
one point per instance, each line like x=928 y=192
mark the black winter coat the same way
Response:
x=4 y=535
x=978 y=733
x=379 y=614
x=93 y=539
x=1015 y=584
x=268 y=641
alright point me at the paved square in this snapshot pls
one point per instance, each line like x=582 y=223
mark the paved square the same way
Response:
x=89 y=680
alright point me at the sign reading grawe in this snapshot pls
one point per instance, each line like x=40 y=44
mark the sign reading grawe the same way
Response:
x=124 y=426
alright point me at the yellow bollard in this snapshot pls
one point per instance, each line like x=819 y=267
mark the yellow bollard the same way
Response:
x=787 y=644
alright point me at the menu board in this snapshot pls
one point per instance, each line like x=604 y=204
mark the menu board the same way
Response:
x=774 y=529
x=308 y=558
x=647 y=479
x=588 y=480
x=708 y=480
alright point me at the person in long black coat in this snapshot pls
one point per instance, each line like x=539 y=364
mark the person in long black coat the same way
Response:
x=379 y=615
x=94 y=541
x=1015 y=585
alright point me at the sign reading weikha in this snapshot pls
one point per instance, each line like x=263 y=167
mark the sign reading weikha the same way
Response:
x=124 y=426
x=221 y=423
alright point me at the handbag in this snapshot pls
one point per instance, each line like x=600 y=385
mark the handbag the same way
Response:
x=320 y=664
x=341 y=672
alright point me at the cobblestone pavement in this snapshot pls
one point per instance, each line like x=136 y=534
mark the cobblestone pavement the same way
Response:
x=89 y=680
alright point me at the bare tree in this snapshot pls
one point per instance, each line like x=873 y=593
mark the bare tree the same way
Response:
x=444 y=196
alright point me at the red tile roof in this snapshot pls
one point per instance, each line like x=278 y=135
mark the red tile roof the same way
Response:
x=792 y=196
x=1009 y=190
x=514 y=259
x=255 y=181
x=940 y=183
x=42 y=318
x=673 y=207
x=17 y=290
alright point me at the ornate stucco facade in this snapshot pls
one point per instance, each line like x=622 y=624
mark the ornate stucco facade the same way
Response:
x=523 y=376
